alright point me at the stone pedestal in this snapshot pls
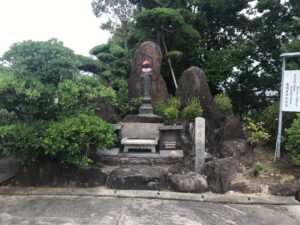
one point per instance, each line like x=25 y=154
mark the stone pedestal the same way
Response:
x=169 y=137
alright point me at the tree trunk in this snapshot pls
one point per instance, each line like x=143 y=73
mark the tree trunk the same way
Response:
x=169 y=61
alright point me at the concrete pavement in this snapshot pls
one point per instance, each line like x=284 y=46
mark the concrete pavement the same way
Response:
x=103 y=206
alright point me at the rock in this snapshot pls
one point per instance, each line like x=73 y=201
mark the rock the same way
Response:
x=245 y=188
x=90 y=177
x=152 y=52
x=42 y=172
x=285 y=189
x=192 y=83
x=239 y=149
x=139 y=177
x=191 y=182
x=232 y=129
x=8 y=168
x=220 y=173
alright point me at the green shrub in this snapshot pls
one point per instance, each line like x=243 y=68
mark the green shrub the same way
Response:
x=171 y=115
x=293 y=140
x=160 y=107
x=7 y=117
x=169 y=110
x=73 y=139
x=270 y=119
x=257 y=169
x=121 y=87
x=223 y=103
x=21 y=141
x=192 y=110
x=255 y=131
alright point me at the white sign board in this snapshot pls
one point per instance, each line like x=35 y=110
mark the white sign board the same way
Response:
x=291 y=91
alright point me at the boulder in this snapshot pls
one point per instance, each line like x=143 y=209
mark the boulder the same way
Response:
x=192 y=83
x=139 y=177
x=286 y=189
x=40 y=173
x=220 y=173
x=90 y=177
x=232 y=129
x=8 y=168
x=152 y=52
x=191 y=182
x=238 y=149
x=244 y=188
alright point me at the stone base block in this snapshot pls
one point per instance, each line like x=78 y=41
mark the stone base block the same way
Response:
x=109 y=152
x=171 y=153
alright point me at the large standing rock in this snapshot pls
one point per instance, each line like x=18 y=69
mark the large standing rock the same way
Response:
x=147 y=51
x=191 y=182
x=238 y=149
x=137 y=177
x=220 y=173
x=232 y=129
x=191 y=84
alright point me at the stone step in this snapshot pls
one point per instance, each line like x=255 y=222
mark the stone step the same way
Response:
x=109 y=160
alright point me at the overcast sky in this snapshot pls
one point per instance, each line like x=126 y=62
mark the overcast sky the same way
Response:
x=70 y=21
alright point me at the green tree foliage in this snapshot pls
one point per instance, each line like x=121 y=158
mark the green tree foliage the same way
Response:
x=270 y=118
x=293 y=137
x=115 y=70
x=120 y=13
x=49 y=62
x=47 y=108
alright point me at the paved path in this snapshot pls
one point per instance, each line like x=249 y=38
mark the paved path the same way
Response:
x=70 y=210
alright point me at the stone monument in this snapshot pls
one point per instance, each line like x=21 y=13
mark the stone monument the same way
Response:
x=146 y=110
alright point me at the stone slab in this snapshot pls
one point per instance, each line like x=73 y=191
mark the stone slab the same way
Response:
x=140 y=155
x=139 y=141
x=143 y=119
x=109 y=152
x=140 y=130
x=171 y=127
x=171 y=153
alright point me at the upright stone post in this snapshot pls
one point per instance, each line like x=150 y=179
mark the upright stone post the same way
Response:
x=199 y=144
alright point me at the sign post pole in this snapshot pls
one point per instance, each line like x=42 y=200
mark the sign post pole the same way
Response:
x=278 y=140
x=288 y=102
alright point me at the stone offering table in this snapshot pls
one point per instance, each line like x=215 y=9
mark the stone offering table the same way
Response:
x=132 y=143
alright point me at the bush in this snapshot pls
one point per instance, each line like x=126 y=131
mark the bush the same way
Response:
x=7 y=117
x=21 y=141
x=270 y=119
x=169 y=110
x=293 y=140
x=73 y=139
x=223 y=103
x=171 y=115
x=257 y=169
x=192 y=110
x=255 y=132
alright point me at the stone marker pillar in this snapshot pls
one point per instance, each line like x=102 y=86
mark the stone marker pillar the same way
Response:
x=199 y=144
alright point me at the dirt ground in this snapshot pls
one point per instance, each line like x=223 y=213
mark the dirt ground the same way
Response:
x=281 y=171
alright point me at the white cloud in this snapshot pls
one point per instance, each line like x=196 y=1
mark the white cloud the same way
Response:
x=70 y=21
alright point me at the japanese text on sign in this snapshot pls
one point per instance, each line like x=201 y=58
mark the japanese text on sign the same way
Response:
x=291 y=91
